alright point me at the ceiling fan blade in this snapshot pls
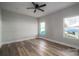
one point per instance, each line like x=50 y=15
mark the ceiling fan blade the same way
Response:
x=34 y=10
x=33 y=3
x=41 y=10
x=42 y=5
x=31 y=8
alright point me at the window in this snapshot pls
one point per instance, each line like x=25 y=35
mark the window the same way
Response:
x=71 y=27
x=42 y=28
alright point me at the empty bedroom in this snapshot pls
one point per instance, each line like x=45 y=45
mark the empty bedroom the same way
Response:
x=39 y=29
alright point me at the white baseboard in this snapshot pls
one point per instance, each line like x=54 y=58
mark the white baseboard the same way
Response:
x=21 y=39
x=60 y=43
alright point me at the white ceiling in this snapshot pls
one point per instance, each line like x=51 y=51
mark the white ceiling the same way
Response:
x=20 y=7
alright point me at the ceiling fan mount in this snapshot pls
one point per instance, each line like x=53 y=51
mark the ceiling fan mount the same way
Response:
x=37 y=7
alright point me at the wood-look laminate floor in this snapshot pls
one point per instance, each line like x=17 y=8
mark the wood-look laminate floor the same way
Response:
x=37 y=47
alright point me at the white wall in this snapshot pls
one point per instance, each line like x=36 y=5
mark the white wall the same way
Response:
x=0 y=26
x=15 y=27
x=54 y=25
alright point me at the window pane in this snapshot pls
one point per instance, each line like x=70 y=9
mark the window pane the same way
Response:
x=42 y=28
x=71 y=27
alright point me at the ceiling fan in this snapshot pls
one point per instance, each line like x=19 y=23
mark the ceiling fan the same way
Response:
x=37 y=7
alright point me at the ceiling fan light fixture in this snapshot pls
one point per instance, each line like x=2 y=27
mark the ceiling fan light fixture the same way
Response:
x=37 y=7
